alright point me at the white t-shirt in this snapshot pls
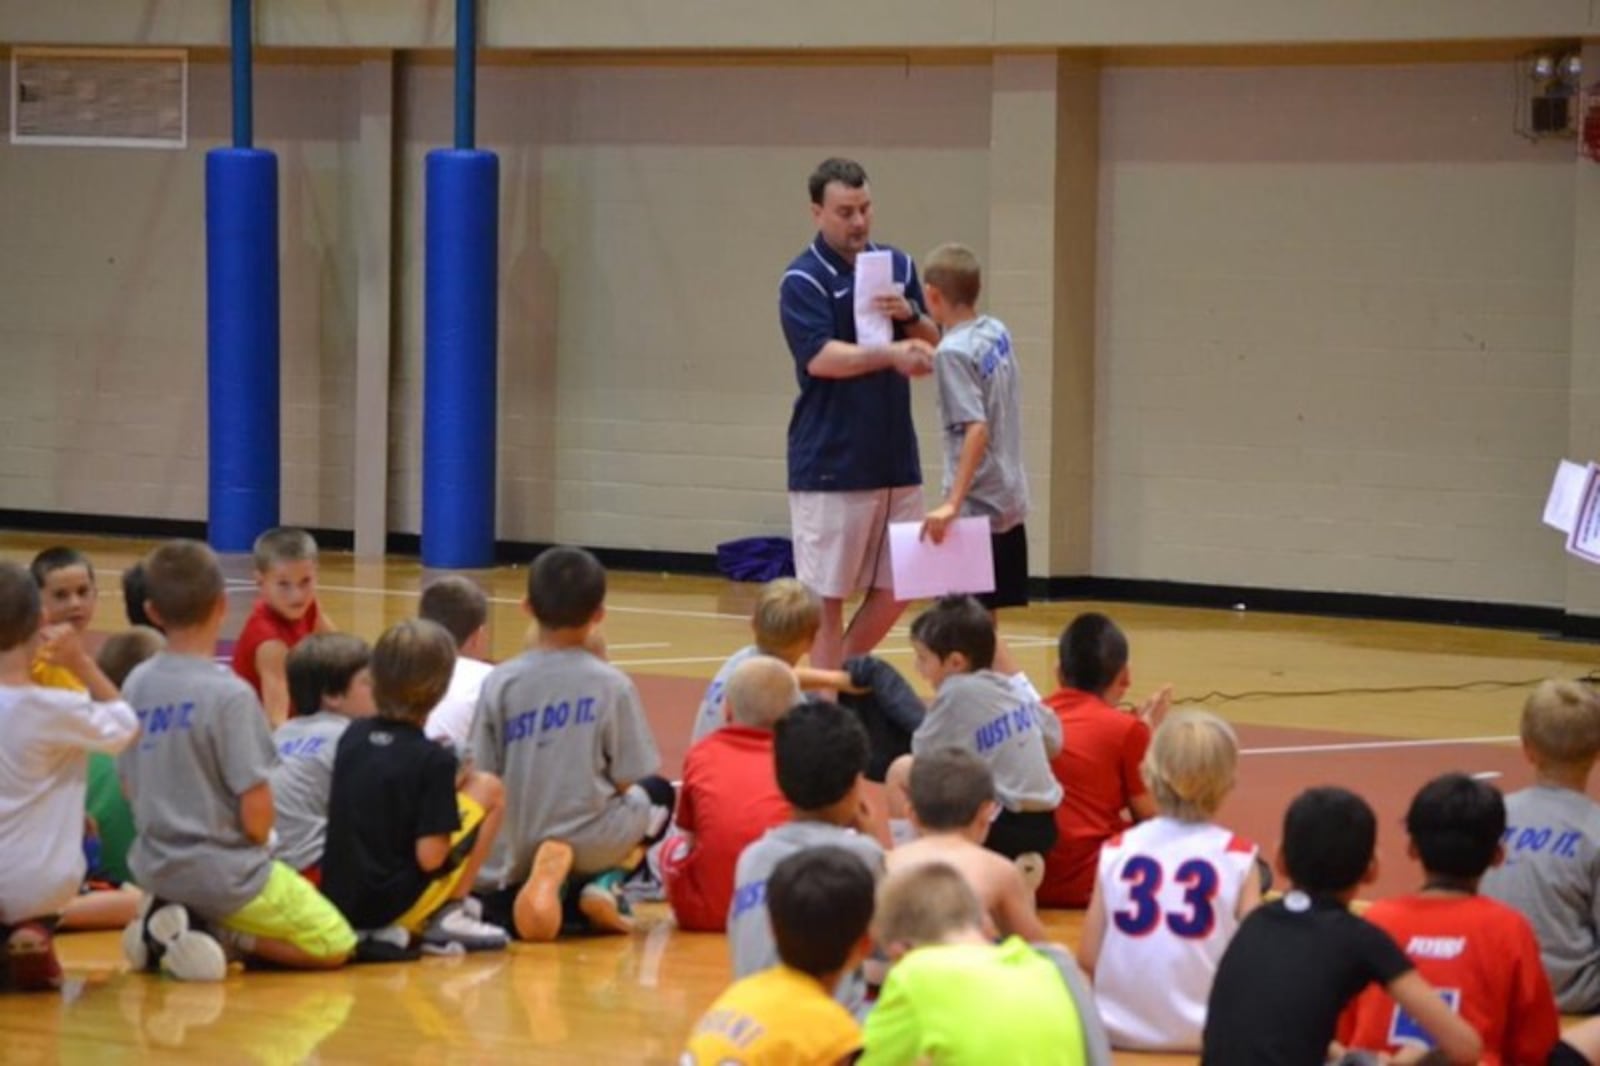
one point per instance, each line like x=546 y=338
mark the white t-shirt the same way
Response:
x=45 y=735
x=451 y=722
x=1171 y=892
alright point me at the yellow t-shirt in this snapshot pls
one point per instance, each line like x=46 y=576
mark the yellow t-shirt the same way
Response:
x=49 y=675
x=778 y=1017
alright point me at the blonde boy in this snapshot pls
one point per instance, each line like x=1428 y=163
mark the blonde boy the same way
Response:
x=198 y=781
x=284 y=615
x=784 y=623
x=1170 y=892
x=1552 y=841
x=952 y=804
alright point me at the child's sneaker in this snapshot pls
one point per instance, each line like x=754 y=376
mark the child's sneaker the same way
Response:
x=537 y=910
x=1030 y=864
x=602 y=904
x=453 y=929
x=389 y=944
x=161 y=937
x=31 y=963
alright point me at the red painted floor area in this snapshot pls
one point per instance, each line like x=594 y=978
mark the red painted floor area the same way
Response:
x=1387 y=776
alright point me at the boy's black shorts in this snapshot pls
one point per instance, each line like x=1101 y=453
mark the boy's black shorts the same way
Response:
x=1010 y=569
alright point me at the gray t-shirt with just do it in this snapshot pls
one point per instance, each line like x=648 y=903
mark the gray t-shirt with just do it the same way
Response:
x=983 y=713
x=979 y=382
x=302 y=782
x=204 y=744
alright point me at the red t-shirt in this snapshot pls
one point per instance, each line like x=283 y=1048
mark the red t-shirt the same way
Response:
x=265 y=624
x=1098 y=768
x=728 y=799
x=1477 y=952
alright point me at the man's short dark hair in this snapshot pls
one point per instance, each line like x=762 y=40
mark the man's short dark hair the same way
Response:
x=458 y=604
x=819 y=901
x=134 y=592
x=50 y=560
x=566 y=586
x=183 y=582
x=323 y=665
x=1092 y=652
x=20 y=610
x=948 y=788
x=1456 y=823
x=846 y=172
x=1328 y=837
x=957 y=624
x=819 y=749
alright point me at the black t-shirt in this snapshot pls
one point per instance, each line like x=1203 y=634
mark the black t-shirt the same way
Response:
x=391 y=785
x=1287 y=974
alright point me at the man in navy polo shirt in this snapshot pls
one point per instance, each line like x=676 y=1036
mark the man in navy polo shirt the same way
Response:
x=853 y=464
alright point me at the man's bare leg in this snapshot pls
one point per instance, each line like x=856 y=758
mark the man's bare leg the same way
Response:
x=827 y=649
x=872 y=622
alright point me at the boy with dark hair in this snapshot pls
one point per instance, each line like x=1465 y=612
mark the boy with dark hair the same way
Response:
x=1480 y=954
x=405 y=836
x=330 y=684
x=42 y=778
x=819 y=901
x=284 y=615
x=133 y=596
x=979 y=710
x=1101 y=751
x=1295 y=963
x=820 y=752
x=954 y=996
x=198 y=780
x=952 y=805
x=566 y=732
x=67 y=589
x=458 y=604
x=1552 y=868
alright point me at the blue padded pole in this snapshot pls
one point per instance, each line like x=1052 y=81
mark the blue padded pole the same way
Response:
x=466 y=73
x=241 y=322
x=243 y=110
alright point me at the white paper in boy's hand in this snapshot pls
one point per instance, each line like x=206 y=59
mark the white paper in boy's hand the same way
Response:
x=964 y=562
x=874 y=278
x=1583 y=539
x=1566 y=493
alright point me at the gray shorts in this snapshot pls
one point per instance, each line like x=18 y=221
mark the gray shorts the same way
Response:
x=841 y=539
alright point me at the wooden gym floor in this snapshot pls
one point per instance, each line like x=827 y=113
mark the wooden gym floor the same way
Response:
x=632 y=999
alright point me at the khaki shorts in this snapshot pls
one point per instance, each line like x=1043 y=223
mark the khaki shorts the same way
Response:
x=841 y=539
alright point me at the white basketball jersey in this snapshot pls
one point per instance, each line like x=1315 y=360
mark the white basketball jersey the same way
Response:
x=1171 y=893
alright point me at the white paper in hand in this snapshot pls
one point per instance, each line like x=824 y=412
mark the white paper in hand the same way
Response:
x=1566 y=493
x=921 y=568
x=874 y=278
x=1583 y=540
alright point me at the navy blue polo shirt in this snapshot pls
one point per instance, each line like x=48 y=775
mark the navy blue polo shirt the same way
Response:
x=845 y=434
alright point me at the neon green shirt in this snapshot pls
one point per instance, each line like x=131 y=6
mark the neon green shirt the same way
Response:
x=974 y=1003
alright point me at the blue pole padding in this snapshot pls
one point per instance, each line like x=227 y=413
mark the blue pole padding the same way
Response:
x=462 y=315
x=243 y=111
x=242 y=344
x=466 y=73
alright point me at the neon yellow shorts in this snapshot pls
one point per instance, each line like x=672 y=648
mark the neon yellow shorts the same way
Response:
x=441 y=888
x=291 y=909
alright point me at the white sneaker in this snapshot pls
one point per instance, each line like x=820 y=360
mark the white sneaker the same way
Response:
x=195 y=956
x=161 y=937
x=453 y=930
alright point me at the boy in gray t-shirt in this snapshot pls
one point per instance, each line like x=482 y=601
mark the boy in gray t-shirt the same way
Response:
x=566 y=733
x=330 y=683
x=979 y=711
x=198 y=783
x=820 y=753
x=981 y=417
x=1551 y=871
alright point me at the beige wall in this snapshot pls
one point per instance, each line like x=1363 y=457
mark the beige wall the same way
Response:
x=1335 y=330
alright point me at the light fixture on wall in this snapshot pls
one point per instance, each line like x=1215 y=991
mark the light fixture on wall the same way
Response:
x=1548 y=88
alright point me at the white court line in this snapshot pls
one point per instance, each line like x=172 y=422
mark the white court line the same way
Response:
x=611 y=608
x=1376 y=745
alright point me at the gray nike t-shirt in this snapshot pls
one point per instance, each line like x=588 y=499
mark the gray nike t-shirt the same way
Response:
x=979 y=382
x=711 y=717
x=301 y=783
x=204 y=744
x=983 y=713
x=750 y=931
x=561 y=728
x=1552 y=875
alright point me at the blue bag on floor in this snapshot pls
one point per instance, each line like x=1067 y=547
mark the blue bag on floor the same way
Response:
x=756 y=558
